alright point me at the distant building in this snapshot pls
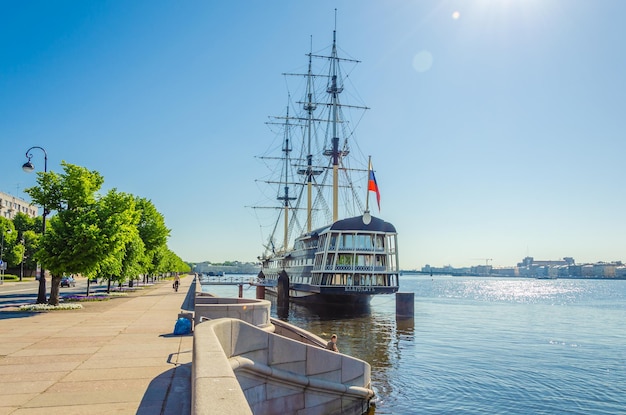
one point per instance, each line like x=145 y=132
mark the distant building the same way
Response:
x=531 y=262
x=481 y=270
x=529 y=267
x=602 y=269
x=587 y=271
x=620 y=271
x=506 y=272
x=11 y=205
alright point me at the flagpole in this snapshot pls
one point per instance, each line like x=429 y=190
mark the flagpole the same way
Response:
x=367 y=187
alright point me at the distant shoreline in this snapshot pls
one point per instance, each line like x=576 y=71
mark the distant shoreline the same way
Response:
x=463 y=274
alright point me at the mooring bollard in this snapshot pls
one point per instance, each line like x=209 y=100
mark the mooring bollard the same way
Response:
x=282 y=290
x=260 y=292
x=405 y=305
x=260 y=289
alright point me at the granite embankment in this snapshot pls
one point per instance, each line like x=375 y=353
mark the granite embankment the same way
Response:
x=116 y=356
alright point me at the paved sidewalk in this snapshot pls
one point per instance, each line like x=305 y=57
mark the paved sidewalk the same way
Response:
x=112 y=357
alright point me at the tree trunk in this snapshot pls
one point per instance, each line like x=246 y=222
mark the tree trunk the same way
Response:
x=109 y=286
x=41 y=293
x=54 y=290
x=88 y=283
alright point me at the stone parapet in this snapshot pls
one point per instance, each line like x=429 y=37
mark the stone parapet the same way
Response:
x=214 y=386
x=255 y=312
x=274 y=374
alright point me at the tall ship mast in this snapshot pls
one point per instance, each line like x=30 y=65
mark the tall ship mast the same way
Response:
x=342 y=255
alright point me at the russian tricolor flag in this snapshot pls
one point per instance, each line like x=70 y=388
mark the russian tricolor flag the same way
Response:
x=372 y=186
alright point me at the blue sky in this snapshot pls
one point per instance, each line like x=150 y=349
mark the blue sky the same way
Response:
x=496 y=126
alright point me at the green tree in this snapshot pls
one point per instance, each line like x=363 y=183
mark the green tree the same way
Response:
x=23 y=223
x=171 y=263
x=125 y=264
x=134 y=258
x=87 y=231
x=28 y=234
x=31 y=245
x=12 y=251
x=153 y=233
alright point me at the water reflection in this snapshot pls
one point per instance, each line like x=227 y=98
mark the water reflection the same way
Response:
x=369 y=333
x=487 y=345
x=321 y=312
x=405 y=328
x=362 y=334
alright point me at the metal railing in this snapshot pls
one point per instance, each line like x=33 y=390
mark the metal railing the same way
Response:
x=236 y=280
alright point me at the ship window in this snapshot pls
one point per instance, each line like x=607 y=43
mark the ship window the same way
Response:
x=364 y=260
x=363 y=242
x=379 y=242
x=390 y=243
x=345 y=259
x=347 y=241
x=380 y=260
x=333 y=241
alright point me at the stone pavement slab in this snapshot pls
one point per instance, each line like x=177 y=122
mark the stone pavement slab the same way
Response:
x=112 y=357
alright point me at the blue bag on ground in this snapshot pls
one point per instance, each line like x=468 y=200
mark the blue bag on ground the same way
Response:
x=183 y=326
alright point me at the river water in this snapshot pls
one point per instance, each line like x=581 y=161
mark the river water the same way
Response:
x=488 y=345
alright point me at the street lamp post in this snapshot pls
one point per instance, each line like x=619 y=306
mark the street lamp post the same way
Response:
x=29 y=167
x=23 y=258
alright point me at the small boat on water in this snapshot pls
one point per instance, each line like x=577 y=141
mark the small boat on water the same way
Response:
x=342 y=255
x=547 y=277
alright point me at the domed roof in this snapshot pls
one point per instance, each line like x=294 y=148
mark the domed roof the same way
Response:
x=356 y=224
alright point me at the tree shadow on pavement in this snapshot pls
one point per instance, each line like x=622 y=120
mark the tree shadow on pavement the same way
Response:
x=169 y=393
x=6 y=315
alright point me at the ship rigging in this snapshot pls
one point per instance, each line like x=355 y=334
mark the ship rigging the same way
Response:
x=343 y=255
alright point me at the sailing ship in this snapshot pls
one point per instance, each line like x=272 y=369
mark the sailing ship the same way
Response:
x=342 y=262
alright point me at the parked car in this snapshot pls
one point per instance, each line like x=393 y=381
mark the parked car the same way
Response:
x=68 y=282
